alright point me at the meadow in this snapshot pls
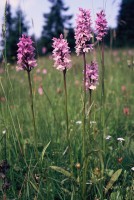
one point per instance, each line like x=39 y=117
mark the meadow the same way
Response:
x=109 y=145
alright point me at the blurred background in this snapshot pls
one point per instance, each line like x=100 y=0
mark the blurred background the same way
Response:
x=45 y=19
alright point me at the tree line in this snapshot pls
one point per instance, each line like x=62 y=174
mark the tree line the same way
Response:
x=57 y=22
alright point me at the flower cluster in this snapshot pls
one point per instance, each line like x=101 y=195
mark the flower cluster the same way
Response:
x=91 y=76
x=101 y=25
x=83 y=32
x=25 y=54
x=61 y=53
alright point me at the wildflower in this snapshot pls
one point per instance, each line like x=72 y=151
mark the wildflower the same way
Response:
x=59 y=90
x=77 y=83
x=130 y=53
x=129 y=63
x=101 y=25
x=108 y=137
x=38 y=71
x=40 y=90
x=61 y=54
x=25 y=54
x=78 y=166
x=120 y=160
x=92 y=122
x=91 y=76
x=44 y=71
x=37 y=78
x=78 y=122
x=4 y=132
x=2 y=99
x=123 y=88
x=132 y=168
x=120 y=139
x=83 y=32
x=126 y=111
x=44 y=49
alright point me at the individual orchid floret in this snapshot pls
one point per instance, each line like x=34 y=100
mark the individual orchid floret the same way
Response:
x=83 y=32
x=91 y=76
x=101 y=25
x=25 y=54
x=61 y=53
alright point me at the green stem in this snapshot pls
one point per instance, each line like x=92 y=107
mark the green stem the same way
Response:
x=90 y=101
x=32 y=109
x=103 y=96
x=84 y=133
x=103 y=72
x=89 y=117
x=66 y=112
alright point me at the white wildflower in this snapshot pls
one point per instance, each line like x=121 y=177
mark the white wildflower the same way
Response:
x=108 y=137
x=120 y=139
x=92 y=122
x=78 y=122
x=132 y=168
x=4 y=132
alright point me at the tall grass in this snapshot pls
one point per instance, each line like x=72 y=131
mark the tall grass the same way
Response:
x=49 y=176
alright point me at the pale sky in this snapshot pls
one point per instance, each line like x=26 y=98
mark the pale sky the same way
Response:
x=34 y=10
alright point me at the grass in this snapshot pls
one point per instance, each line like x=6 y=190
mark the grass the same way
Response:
x=109 y=174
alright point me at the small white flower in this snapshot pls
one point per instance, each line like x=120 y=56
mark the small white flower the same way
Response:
x=92 y=122
x=78 y=122
x=120 y=139
x=132 y=168
x=108 y=137
x=4 y=131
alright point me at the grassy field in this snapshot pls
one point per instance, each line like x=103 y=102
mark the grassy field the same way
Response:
x=49 y=175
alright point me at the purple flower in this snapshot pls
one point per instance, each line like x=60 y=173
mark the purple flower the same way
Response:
x=61 y=54
x=25 y=54
x=83 y=32
x=101 y=25
x=91 y=76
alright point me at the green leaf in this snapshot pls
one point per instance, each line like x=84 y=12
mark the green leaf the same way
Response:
x=44 y=150
x=62 y=171
x=114 y=178
x=34 y=186
x=66 y=191
x=37 y=190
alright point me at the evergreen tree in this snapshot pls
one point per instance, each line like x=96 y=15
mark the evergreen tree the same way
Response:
x=55 y=22
x=125 y=27
x=15 y=26
x=8 y=20
x=6 y=29
x=19 y=27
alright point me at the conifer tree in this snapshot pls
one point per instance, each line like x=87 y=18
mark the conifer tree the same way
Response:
x=55 y=22
x=19 y=27
x=15 y=26
x=125 y=27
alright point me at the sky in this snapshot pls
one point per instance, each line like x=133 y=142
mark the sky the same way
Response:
x=34 y=9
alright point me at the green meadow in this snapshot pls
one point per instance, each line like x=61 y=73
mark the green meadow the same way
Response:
x=45 y=172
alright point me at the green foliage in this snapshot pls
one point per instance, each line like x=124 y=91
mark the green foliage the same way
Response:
x=125 y=27
x=50 y=176
x=55 y=23
x=15 y=27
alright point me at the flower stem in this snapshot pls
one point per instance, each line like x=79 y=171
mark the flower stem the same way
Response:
x=103 y=98
x=90 y=101
x=66 y=112
x=32 y=109
x=84 y=133
x=103 y=72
